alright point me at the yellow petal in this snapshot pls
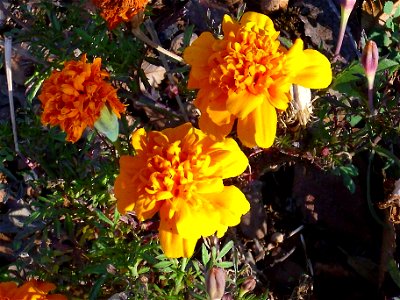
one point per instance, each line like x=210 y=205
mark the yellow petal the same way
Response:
x=231 y=204
x=218 y=131
x=229 y=25
x=317 y=73
x=172 y=243
x=261 y=20
x=309 y=68
x=177 y=133
x=227 y=159
x=259 y=128
x=194 y=222
x=137 y=137
x=198 y=53
x=243 y=103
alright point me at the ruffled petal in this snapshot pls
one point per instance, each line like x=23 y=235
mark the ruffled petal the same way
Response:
x=241 y=104
x=177 y=133
x=259 y=128
x=231 y=204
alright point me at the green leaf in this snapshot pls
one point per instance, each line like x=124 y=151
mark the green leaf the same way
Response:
x=205 y=257
x=228 y=246
x=224 y=264
x=163 y=264
x=347 y=82
x=107 y=124
x=103 y=217
x=386 y=63
x=387 y=9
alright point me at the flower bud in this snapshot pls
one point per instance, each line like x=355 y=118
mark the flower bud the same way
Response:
x=247 y=286
x=369 y=60
x=346 y=7
x=215 y=283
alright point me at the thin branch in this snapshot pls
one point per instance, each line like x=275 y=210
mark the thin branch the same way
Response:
x=8 y=51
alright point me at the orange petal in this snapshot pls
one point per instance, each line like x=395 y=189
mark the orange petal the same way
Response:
x=259 y=128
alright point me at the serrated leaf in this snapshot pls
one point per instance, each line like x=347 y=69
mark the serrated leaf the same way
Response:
x=107 y=124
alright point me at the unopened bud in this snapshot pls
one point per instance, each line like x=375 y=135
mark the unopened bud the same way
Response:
x=227 y=296
x=247 y=286
x=215 y=283
x=369 y=60
x=346 y=7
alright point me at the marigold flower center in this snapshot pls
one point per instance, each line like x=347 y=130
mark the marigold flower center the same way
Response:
x=252 y=61
x=172 y=171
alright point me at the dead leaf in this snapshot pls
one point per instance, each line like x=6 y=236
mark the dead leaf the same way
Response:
x=154 y=74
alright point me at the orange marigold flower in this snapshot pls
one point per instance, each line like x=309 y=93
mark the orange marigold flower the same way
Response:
x=179 y=173
x=246 y=76
x=117 y=11
x=30 y=290
x=74 y=97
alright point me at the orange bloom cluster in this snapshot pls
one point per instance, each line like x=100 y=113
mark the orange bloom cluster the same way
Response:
x=179 y=172
x=74 y=97
x=246 y=76
x=31 y=290
x=117 y=11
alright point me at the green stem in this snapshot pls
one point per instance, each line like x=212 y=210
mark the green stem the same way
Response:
x=179 y=278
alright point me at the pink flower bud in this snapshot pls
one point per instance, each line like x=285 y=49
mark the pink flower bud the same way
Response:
x=247 y=286
x=215 y=283
x=369 y=60
x=346 y=7
x=347 y=4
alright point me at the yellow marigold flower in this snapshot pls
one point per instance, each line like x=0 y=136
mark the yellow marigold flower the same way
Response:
x=179 y=173
x=117 y=11
x=74 y=97
x=246 y=76
x=30 y=290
